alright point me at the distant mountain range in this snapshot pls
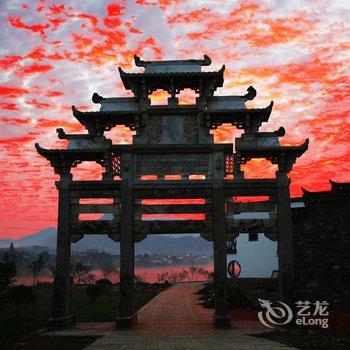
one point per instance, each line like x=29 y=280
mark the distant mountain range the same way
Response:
x=153 y=244
x=257 y=259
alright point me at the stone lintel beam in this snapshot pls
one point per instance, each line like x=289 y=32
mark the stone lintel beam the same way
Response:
x=249 y=120
x=251 y=225
x=172 y=226
x=251 y=187
x=239 y=207
x=168 y=192
x=100 y=227
x=225 y=148
x=174 y=209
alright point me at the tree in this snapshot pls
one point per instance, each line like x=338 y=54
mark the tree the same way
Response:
x=8 y=272
x=115 y=276
x=205 y=273
x=93 y=291
x=82 y=273
x=163 y=276
x=192 y=273
x=177 y=277
x=21 y=294
x=36 y=266
x=139 y=279
x=107 y=270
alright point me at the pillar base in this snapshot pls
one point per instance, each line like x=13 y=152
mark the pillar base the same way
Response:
x=60 y=323
x=125 y=322
x=222 y=321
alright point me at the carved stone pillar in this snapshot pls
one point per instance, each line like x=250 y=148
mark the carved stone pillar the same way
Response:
x=127 y=316
x=221 y=316
x=285 y=241
x=61 y=316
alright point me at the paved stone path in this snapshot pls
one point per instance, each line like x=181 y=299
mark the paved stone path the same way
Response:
x=174 y=320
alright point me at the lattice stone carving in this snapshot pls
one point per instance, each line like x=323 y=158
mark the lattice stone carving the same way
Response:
x=116 y=164
x=154 y=129
x=229 y=164
x=190 y=129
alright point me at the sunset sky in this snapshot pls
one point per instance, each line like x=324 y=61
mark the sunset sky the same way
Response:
x=54 y=54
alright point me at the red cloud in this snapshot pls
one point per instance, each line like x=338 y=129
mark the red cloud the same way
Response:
x=54 y=93
x=56 y=9
x=112 y=22
x=9 y=61
x=36 y=28
x=114 y=10
x=316 y=89
x=40 y=105
x=19 y=140
x=280 y=30
x=197 y=15
x=92 y=19
x=14 y=121
x=7 y=91
x=8 y=106
x=34 y=68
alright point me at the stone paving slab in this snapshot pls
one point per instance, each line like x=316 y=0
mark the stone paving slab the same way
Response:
x=83 y=329
x=175 y=320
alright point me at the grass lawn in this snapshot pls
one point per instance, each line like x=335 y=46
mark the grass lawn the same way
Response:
x=15 y=334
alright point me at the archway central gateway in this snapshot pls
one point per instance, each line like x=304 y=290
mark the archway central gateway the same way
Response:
x=170 y=139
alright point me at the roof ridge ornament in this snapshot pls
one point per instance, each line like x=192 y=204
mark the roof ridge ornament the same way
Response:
x=251 y=94
x=96 y=98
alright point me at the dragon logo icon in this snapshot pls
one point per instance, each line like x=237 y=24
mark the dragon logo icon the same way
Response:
x=274 y=315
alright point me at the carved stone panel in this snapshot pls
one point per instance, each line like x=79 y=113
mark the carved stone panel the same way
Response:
x=173 y=164
x=172 y=129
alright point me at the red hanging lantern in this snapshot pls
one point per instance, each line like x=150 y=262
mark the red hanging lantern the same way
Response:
x=234 y=268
